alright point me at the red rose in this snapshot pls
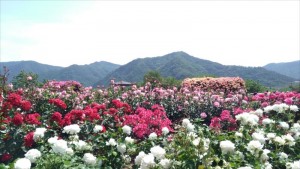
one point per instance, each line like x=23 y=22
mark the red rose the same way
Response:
x=18 y=119
x=5 y=157
x=26 y=105
x=28 y=139
x=14 y=99
x=59 y=103
x=117 y=103
x=33 y=119
x=56 y=116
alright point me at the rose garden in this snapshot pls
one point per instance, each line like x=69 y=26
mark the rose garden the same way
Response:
x=214 y=124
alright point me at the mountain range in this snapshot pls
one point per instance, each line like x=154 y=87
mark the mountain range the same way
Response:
x=179 y=65
x=88 y=75
x=291 y=69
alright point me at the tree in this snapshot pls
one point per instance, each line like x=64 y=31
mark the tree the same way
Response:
x=25 y=80
x=153 y=77
x=170 y=82
x=254 y=87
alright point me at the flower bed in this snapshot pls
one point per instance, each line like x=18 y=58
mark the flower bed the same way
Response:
x=62 y=126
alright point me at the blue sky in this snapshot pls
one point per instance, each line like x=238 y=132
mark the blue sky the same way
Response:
x=58 y=32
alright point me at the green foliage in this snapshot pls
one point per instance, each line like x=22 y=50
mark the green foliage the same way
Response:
x=3 y=81
x=170 y=82
x=26 y=80
x=295 y=87
x=153 y=77
x=255 y=87
x=292 y=87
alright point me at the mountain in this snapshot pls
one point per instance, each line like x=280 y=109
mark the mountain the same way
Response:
x=16 y=67
x=181 y=65
x=85 y=74
x=291 y=69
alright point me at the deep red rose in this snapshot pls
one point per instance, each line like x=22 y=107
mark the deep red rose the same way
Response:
x=59 y=103
x=5 y=157
x=25 y=105
x=56 y=116
x=28 y=139
x=14 y=99
x=33 y=119
x=112 y=111
x=18 y=119
x=117 y=103
x=6 y=106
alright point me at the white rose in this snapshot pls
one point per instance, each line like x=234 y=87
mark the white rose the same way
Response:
x=111 y=142
x=165 y=130
x=260 y=137
x=126 y=129
x=284 y=125
x=121 y=148
x=60 y=147
x=294 y=108
x=22 y=163
x=165 y=163
x=148 y=161
x=39 y=133
x=33 y=155
x=97 y=128
x=89 y=159
x=185 y=122
x=138 y=159
x=227 y=146
x=153 y=136
x=71 y=129
x=158 y=152
x=129 y=140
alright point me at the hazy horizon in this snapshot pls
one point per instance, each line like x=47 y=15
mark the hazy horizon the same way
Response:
x=63 y=33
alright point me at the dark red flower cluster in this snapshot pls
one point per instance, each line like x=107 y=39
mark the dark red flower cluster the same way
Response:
x=18 y=119
x=57 y=117
x=15 y=99
x=146 y=121
x=5 y=157
x=98 y=106
x=59 y=103
x=25 y=105
x=89 y=113
x=118 y=105
x=28 y=139
x=6 y=106
x=33 y=118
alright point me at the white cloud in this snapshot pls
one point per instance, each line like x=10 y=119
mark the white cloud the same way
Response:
x=229 y=32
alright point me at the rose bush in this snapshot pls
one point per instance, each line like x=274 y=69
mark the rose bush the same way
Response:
x=66 y=125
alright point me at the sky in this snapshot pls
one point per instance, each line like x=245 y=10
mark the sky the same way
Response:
x=62 y=32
